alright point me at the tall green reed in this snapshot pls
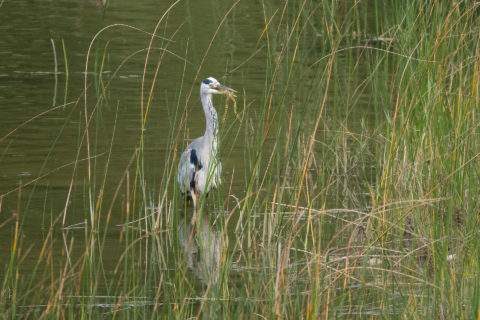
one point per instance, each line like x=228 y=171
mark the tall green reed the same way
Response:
x=359 y=171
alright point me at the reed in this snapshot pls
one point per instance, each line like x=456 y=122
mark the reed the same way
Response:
x=355 y=194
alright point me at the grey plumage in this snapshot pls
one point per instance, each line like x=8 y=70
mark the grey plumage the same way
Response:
x=200 y=167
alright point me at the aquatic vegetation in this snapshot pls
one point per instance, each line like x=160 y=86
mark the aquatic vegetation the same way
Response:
x=351 y=189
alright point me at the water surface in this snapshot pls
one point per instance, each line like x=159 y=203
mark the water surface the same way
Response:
x=43 y=53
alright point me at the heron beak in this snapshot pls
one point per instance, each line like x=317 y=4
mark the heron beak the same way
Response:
x=225 y=90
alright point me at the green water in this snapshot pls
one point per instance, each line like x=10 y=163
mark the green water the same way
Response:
x=256 y=239
x=32 y=82
x=29 y=86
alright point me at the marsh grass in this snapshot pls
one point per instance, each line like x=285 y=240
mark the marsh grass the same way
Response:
x=359 y=182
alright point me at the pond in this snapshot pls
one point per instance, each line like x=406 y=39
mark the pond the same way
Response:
x=99 y=98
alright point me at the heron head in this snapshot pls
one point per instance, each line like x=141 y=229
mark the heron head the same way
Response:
x=212 y=86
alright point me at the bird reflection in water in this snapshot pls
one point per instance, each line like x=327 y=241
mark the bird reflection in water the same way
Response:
x=202 y=247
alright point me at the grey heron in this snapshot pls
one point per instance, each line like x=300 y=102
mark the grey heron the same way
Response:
x=200 y=168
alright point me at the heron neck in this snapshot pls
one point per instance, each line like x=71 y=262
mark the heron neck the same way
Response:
x=211 y=131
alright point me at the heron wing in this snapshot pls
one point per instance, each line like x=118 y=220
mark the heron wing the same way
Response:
x=194 y=166
x=190 y=165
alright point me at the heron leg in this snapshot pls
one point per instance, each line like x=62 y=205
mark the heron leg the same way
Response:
x=194 y=200
x=193 y=222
